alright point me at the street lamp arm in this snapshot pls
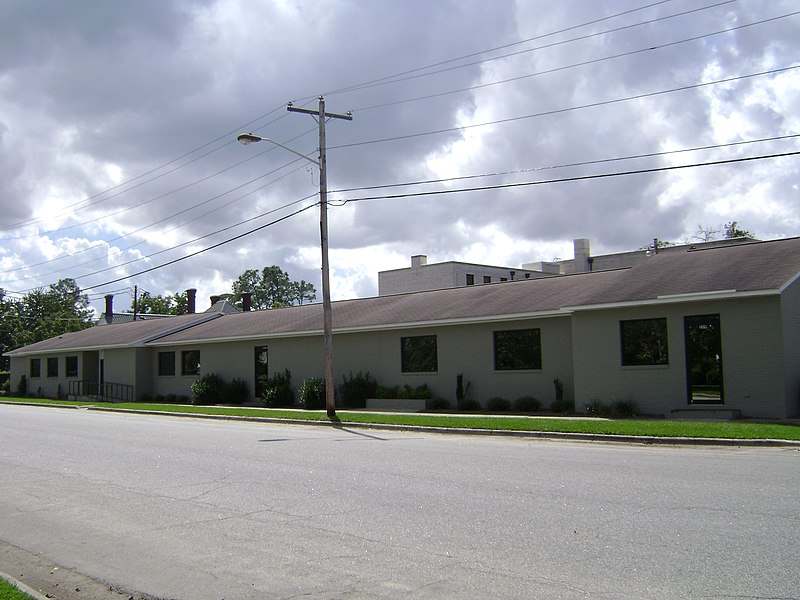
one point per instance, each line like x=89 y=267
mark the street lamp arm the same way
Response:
x=249 y=138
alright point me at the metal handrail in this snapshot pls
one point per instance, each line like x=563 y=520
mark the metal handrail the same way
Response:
x=101 y=392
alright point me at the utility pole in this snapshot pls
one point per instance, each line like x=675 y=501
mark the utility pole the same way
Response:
x=327 y=319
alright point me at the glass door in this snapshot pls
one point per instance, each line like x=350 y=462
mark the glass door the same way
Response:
x=703 y=359
x=261 y=363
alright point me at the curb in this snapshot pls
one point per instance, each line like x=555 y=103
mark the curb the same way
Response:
x=22 y=587
x=546 y=435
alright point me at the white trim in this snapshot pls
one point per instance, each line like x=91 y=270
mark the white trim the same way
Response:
x=788 y=283
x=676 y=299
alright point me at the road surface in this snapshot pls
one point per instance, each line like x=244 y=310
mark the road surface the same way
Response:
x=195 y=509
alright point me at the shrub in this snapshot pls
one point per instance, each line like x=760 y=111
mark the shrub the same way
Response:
x=527 y=404
x=208 y=389
x=559 y=389
x=469 y=405
x=385 y=392
x=183 y=399
x=562 y=406
x=421 y=392
x=277 y=391
x=461 y=389
x=237 y=391
x=22 y=387
x=161 y=399
x=596 y=408
x=498 y=404
x=623 y=409
x=437 y=404
x=356 y=389
x=171 y=399
x=312 y=394
x=146 y=398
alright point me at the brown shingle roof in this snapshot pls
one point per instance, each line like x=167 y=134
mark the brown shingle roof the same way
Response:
x=135 y=333
x=760 y=266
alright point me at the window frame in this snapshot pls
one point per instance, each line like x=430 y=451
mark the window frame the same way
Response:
x=38 y=370
x=188 y=372
x=628 y=354
x=534 y=365
x=406 y=364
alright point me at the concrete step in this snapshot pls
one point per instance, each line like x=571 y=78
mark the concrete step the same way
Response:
x=704 y=414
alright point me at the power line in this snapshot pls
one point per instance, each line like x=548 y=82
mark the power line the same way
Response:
x=564 y=110
x=398 y=79
x=440 y=192
x=119 y=237
x=565 y=165
x=567 y=179
x=387 y=78
x=573 y=65
x=192 y=241
x=222 y=243
x=151 y=171
x=402 y=184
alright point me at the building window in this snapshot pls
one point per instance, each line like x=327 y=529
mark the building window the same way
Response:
x=190 y=362
x=487 y=279
x=470 y=279
x=644 y=342
x=72 y=366
x=36 y=367
x=166 y=364
x=52 y=366
x=518 y=349
x=419 y=354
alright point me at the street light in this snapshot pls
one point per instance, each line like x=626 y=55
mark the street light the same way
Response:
x=327 y=321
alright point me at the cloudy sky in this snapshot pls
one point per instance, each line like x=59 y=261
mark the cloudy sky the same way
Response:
x=118 y=122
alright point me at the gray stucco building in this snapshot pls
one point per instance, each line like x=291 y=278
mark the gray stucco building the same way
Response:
x=694 y=329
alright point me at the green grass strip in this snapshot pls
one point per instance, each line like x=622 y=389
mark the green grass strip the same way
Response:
x=742 y=430
x=12 y=592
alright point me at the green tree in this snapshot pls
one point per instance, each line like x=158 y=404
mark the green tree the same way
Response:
x=175 y=304
x=732 y=230
x=43 y=313
x=271 y=288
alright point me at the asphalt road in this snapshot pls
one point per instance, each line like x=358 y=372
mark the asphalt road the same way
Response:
x=192 y=509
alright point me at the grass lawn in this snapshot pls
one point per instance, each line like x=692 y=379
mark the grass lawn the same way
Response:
x=11 y=592
x=744 y=430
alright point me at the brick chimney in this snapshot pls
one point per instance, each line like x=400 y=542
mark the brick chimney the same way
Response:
x=109 y=309
x=419 y=260
x=214 y=300
x=191 y=299
x=247 y=301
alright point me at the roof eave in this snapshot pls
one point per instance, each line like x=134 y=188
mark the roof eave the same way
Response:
x=676 y=298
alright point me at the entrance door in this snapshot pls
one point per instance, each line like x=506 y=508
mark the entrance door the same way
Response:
x=261 y=360
x=703 y=359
